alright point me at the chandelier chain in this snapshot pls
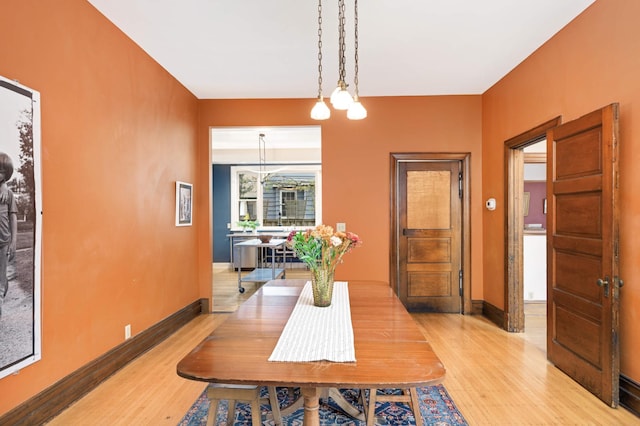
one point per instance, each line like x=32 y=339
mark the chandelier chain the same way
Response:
x=355 y=69
x=342 y=41
x=319 y=48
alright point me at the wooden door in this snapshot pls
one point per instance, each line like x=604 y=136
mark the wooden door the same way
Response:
x=429 y=236
x=583 y=282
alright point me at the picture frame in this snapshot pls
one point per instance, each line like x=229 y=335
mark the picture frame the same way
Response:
x=20 y=138
x=184 y=203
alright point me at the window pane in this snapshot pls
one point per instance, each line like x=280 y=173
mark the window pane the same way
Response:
x=248 y=185
x=248 y=210
x=283 y=197
x=288 y=199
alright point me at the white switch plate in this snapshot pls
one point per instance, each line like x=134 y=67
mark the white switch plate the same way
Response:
x=127 y=331
x=341 y=227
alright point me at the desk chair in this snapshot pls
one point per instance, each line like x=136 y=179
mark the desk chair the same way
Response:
x=409 y=395
x=246 y=393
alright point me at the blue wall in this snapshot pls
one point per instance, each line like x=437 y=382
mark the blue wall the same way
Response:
x=221 y=196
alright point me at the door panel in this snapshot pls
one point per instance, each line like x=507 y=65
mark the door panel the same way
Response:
x=582 y=307
x=428 y=199
x=430 y=238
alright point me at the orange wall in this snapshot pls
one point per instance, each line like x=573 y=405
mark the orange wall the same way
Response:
x=591 y=63
x=355 y=161
x=117 y=132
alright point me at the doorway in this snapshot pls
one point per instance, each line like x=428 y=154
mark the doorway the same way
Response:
x=514 y=239
x=251 y=167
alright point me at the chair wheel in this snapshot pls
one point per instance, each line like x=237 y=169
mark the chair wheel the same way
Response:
x=241 y=289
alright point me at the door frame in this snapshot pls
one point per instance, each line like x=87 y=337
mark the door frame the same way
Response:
x=514 y=222
x=394 y=238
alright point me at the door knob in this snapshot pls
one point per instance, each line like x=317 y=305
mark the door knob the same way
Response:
x=604 y=283
x=617 y=285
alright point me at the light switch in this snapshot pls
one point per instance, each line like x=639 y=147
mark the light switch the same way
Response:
x=341 y=227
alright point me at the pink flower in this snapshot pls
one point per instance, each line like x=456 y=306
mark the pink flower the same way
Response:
x=321 y=247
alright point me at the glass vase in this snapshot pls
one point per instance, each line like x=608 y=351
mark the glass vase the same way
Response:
x=322 y=285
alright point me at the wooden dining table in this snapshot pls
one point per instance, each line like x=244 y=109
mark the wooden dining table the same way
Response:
x=390 y=349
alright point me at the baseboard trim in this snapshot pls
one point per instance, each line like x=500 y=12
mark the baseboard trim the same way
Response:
x=493 y=314
x=51 y=401
x=476 y=307
x=630 y=395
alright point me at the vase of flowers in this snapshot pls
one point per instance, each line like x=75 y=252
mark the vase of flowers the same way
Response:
x=321 y=249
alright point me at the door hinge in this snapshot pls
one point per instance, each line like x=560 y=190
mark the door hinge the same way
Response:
x=460 y=184
x=460 y=282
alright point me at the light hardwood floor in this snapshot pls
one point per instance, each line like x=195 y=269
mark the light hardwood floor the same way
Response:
x=494 y=377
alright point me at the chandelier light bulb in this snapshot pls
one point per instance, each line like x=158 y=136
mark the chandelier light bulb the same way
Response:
x=356 y=111
x=334 y=94
x=320 y=110
x=343 y=100
x=340 y=98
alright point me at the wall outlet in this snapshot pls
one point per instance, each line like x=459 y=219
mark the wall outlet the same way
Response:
x=341 y=227
x=127 y=331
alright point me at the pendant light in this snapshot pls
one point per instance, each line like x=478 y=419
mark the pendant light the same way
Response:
x=341 y=99
x=356 y=111
x=320 y=110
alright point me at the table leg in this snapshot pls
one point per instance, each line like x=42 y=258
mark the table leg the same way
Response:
x=334 y=393
x=240 y=270
x=311 y=406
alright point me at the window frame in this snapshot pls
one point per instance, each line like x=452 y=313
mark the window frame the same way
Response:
x=272 y=168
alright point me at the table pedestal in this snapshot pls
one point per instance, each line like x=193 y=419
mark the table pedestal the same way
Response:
x=311 y=406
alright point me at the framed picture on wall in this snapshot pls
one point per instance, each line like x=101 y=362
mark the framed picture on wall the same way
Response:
x=184 y=203
x=20 y=212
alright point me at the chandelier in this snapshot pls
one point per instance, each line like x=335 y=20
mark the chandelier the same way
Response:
x=341 y=99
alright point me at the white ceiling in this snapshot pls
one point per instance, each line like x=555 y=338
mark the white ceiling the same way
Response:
x=222 y=49
x=280 y=144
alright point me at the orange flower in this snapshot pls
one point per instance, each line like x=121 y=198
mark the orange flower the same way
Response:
x=321 y=247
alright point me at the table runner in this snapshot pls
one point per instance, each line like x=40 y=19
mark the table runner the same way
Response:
x=316 y=334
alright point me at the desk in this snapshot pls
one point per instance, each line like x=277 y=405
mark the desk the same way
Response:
x=391 y=352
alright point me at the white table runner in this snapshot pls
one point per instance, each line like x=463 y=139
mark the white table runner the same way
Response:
x=316 y=334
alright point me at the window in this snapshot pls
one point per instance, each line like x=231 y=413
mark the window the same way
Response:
x=279 y=197
x=287 y=198
x=247 y=196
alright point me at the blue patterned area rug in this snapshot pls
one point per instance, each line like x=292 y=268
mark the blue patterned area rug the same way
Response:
x=436 y=407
